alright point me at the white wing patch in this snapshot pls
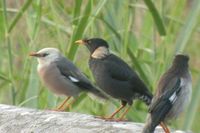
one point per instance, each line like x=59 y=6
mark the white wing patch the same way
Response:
x=73 y=79
x=182 y=82
x=173 y=98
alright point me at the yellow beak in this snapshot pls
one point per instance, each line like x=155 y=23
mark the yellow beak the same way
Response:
x=80 y=42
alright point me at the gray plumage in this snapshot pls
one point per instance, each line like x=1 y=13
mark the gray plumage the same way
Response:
x=61 y=76
x=172 y=95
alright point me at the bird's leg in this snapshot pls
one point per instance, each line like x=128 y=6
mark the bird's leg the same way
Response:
x=123 y=104
x=165 y=128
x=59 y=108
x=114 y=113
x=70 y=104
x=124 y=113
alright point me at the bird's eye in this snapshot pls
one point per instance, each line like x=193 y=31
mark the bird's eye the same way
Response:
x=45 y=54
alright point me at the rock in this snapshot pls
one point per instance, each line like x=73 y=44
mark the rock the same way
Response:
x=16 y=119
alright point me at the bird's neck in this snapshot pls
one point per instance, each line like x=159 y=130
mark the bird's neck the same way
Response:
x=44 y=63
x=179 y=68
x=100 y=53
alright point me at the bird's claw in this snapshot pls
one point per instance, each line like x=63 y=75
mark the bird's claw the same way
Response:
x=104 y=118
x=110 y=119
x=57 y=110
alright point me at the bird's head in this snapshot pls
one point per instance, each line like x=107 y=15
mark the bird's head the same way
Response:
x=97 y=46
x=46 y=55
x=181 y=60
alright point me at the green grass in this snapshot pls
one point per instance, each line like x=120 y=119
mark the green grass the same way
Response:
x=146 y=34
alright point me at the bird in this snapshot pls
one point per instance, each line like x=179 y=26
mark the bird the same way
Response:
x=173 y=93
x=61 y=76
x=114 y=76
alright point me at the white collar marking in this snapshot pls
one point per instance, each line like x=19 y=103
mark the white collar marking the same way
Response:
x=100 y=53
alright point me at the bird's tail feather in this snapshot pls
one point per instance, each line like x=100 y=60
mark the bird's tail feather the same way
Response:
x=99 y=94
x=87 y=86
x=147 y=99
x=149 y=127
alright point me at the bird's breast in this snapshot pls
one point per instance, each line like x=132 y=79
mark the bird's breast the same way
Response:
x=56 y=82
x=183 y=99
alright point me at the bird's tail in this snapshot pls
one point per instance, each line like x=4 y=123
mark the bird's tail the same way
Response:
x=98 y=93
x=149 y=127
x=146 y=98
x=87 y=86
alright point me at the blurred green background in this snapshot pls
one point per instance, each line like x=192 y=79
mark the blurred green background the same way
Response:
x=146 y=34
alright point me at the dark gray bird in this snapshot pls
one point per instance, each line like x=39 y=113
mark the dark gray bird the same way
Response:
x=172 y=95
x=114 y=76
x=61 y=76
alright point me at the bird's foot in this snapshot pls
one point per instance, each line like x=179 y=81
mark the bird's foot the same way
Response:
x=105 y=118
x=110 y=118
x=58 y=110
x=121 y=120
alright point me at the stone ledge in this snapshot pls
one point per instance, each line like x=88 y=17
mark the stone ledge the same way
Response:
x=15 y=119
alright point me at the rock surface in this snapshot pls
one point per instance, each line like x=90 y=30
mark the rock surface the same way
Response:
x=15 y=120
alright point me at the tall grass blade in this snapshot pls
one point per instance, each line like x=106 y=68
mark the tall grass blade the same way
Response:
x=96 y=12
x=139 y=68
x=3 y=77
x=9 y=50
x=76 y=11
x=78 y=31
x=34 y=26
x=157 y=19
x=186 y=32
x=38 y=11
x=19 y=14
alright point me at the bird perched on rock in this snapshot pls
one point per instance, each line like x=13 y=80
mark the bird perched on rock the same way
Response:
x=172 y=94
x=61 y=76
x=114 y=76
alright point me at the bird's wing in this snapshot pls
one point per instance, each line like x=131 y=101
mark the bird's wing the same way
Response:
x=119 y=70
x=163 y=103
x=71 y=72
x=125 y=77
x=123 y=69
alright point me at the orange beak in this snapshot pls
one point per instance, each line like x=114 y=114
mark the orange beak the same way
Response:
x=34 y=54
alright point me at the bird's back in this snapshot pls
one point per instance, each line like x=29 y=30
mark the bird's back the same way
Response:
x=184 y=96
x=116 y=78
x=172 y=95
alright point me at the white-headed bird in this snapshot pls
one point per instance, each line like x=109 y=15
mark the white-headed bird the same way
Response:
x=61 y=76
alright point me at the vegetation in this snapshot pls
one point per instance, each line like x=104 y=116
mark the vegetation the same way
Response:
x=146 y=34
